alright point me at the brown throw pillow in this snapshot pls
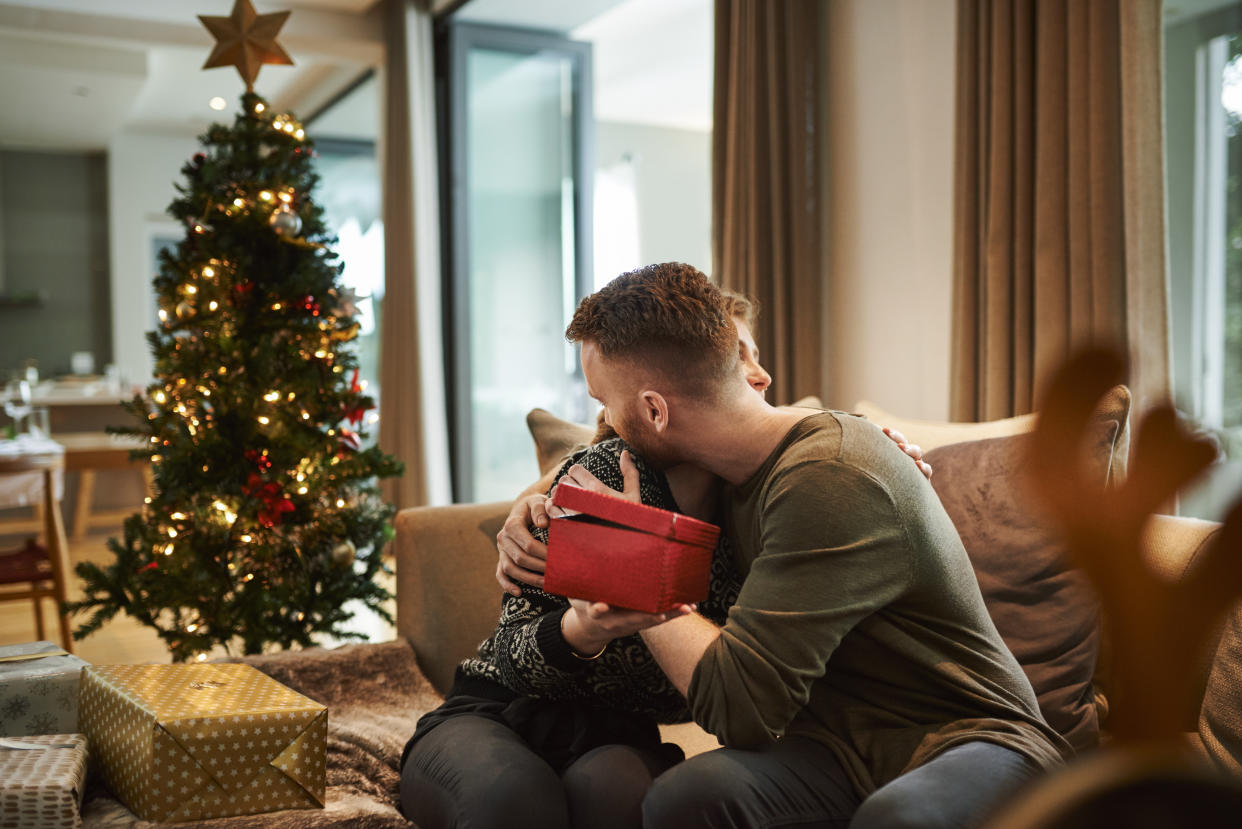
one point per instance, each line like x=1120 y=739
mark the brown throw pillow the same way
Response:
x=1045 y=611
x=555 y=437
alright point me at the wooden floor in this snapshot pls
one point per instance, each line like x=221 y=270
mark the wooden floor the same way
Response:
x=123 y=640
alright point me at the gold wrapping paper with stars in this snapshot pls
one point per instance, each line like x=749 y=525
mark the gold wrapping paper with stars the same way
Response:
x=188 y=742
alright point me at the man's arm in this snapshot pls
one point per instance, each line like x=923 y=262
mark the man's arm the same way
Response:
x=831 y=552
x=522 y=556
x=678 y=645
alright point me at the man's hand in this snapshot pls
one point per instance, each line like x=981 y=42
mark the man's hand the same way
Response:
x=579 y=476
x=911 y=449
x=522 y=556
x=589 y=626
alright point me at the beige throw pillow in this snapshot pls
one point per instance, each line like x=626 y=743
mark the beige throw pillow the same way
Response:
x=554 y=437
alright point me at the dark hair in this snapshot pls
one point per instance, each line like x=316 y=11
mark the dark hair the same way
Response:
x=740 y=305
x=667 y=317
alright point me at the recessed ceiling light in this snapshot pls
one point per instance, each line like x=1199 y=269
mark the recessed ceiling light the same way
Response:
x=217 y=103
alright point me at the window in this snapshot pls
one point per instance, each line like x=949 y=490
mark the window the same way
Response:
x=1203 y=100
x=349 y=193
x=578 y=144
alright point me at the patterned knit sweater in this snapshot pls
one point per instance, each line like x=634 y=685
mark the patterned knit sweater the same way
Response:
x=528 y=656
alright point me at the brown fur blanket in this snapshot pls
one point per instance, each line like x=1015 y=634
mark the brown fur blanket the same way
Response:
x=375 y=693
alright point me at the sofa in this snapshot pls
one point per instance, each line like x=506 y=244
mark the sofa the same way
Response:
x=448 y=601
x=1042 y=606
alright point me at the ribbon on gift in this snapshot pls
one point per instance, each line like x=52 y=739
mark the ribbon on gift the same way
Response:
x=26 y=657
x=17 y=745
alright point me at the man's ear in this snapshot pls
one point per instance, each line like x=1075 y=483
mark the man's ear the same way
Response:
x=654 y=409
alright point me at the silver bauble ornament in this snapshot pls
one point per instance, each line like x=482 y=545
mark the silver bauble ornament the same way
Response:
x=184 y=310
x=343 y=553
x=285 y=222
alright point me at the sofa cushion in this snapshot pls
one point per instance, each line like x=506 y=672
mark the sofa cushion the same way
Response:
x=931 y=434
x=1220 y=720
x=1045 y=611
x=555 y=437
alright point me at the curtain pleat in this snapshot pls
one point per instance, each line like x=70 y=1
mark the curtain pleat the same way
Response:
x=1058 y=197
x=413 y=423
x=765 y=179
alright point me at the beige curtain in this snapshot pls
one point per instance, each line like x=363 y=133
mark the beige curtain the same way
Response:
x=1059 y=197
x=765 y=179
x=413 y=423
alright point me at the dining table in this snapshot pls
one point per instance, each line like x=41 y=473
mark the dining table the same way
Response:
x=24 y=457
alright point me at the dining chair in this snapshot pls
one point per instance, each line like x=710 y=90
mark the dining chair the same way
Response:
x=38 y=571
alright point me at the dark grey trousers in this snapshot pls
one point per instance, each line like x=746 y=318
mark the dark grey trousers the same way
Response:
x=798 y=782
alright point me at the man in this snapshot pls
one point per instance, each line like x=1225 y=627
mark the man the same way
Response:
x=858 y=675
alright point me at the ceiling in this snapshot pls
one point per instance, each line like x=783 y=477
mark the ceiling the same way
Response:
x=651 y=59
x=75 y=73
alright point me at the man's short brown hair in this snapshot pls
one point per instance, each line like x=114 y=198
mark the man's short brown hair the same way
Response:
x=668 y=317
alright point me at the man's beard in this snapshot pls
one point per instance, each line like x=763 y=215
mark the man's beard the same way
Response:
x=657 y=453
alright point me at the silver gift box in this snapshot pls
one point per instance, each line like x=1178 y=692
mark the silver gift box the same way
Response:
x=38 y=695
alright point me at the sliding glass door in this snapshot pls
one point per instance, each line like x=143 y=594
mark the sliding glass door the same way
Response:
x=518 y=239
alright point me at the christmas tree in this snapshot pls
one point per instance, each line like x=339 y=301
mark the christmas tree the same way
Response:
x=265 y=518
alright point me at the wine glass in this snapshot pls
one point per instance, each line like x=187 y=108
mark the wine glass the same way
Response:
x=17 y=402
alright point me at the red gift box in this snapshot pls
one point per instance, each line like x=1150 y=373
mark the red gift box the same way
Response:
x=627 y=554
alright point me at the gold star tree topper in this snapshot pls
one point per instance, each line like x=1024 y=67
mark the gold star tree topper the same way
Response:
x=247 y=40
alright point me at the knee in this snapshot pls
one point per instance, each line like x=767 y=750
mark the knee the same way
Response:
x=605 y=788
x=886 y=809
x=694 y=793
x=437 y=793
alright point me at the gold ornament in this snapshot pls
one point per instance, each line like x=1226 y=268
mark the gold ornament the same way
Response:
x=184 y=310
x=344 y=335
x=247 y=40
x=343 y=554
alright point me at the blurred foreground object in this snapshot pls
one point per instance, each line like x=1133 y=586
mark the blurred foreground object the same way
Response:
x=1147 y=776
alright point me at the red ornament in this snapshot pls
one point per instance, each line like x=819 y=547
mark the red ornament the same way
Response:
x=310 y=305
x=275 y=504
x=354 y=414
x=273 y=514
x=259 y=459
x=150 y=565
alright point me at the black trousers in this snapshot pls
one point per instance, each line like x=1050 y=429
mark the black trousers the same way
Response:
x=477 y=772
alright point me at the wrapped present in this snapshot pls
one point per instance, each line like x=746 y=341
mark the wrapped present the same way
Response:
x=38 y=689
x=188 y=742
x=42 y=779
x=627 y=554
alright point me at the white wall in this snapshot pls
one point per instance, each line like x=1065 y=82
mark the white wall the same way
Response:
x=142 y=170
x=889 y=75
x=672 y=176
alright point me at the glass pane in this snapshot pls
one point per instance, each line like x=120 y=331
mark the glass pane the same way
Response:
x=349 y=191
x=520 y=277
x=1231 y=99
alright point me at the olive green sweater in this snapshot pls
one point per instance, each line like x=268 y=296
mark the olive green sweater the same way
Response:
x=860 y=623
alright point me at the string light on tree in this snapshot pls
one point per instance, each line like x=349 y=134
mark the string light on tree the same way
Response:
x=264 y=521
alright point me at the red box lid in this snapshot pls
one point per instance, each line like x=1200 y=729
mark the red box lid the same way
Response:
x=628 y=513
